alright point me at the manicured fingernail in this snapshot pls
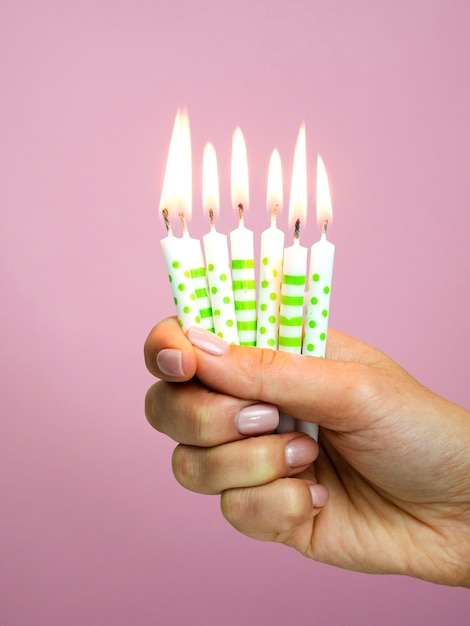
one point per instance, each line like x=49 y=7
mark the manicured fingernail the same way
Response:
x=319 y=495
x=170 y=362
x=257 y=419
x=207 y=341
x=301 y=451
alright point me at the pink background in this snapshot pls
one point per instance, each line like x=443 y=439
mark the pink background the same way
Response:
x=93 y=528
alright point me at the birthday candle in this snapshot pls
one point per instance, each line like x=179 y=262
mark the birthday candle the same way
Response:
x=242 y=248
x=216 y=253
x=272 y=249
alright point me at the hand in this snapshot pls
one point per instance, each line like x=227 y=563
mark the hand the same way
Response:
x=393 y=456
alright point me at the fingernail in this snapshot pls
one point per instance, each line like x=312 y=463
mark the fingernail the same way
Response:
x=319 y=495
x=207 y=341
x=301 y=451
x=257 y=419
x=170 y=362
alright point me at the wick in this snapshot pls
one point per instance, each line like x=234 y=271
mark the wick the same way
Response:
x=240 y=213
x=166 y=219
x=274 y=213
x=297 y=230
x=183 y=222
x=211 y=218
x=324 y=228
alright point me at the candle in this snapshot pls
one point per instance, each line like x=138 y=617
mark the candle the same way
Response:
x=320 y=273
x=217 y=257
x=294 y=267
x=270 y=274
x=242 y=248
x=176 y=193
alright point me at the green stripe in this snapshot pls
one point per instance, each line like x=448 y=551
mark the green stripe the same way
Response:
x=243 y=284
x=201 y=293
x=290 y=342
x=197 y=273
x=245 y=305
x=243 y=264
x=248 y=343
x=206 y=312
x=292 y=300
x=293 y=280
x=246 y=325
x=291 y=321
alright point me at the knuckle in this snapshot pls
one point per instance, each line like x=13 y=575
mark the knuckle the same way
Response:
x=190 y=468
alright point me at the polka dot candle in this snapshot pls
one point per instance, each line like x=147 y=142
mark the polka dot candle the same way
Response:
x=180 y=278
x=220 y=284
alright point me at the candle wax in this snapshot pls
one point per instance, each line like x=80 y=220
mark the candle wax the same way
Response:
x=270 y=278
x=197 y=270
x=244 y=283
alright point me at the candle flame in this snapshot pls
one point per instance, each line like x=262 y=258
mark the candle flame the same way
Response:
x=210 y=180
x=298 y=190
x=324 y=207
x=177 y=183
x=239 y=171
x=274 y=191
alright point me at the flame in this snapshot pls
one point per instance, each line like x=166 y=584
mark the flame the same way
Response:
x=274 y=191
x=239 y=173
x=210 y=179
x=324 y=207
x=298 y=190
x=177 y=183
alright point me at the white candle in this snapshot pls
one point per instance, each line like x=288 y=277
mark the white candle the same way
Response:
x=320 y=276
x=197 y=270
x=216 y=253
x=271 y=256
x=242 y=248
x=180 y=279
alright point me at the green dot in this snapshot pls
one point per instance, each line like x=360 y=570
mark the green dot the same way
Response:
x=170 y=278
x=230 y=323
x=312 y=324
x=221 y=335
x=271 y=343
x=198 y=319
x=272 y=296
x=226 y=300
x=192 y=297
x=265 y=260
x=213 y=289
x=314 y=300
x=272 y=319
x=262 y=330
x=310 y=347
x=175 y=264
x=223 y=277
x=181 y=287
x=326 y=290
x=180 y=323
x=187 y=274
x=323 y=336
x=216 y=312
x=316 y=277
x=264 y=307
x=264 y=284
x=210 y=267
x=187 y=309
x=275 y=273
x=175 y=300
x=324 y=313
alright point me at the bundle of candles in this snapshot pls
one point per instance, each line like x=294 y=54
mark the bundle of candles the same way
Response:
x=217 y=291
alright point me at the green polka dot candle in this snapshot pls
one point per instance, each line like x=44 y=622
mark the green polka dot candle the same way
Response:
x=180 y=278
x=319 y=283
x=270 y=272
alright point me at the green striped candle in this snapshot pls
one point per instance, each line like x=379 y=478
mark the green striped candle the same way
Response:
x=244 y=281
x=197 y=270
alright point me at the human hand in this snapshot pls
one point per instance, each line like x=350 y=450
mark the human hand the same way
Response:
x=393 y=456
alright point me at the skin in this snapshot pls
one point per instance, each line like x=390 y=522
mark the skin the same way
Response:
x=391 y=469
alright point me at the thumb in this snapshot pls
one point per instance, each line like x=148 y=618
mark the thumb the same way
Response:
x=325 y=391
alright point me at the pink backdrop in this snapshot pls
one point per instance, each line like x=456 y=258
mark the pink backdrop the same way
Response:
x=93 y=529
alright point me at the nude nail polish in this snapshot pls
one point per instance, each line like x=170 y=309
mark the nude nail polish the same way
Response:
x=207 y=341
x=257 y=419
x=170 y=362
